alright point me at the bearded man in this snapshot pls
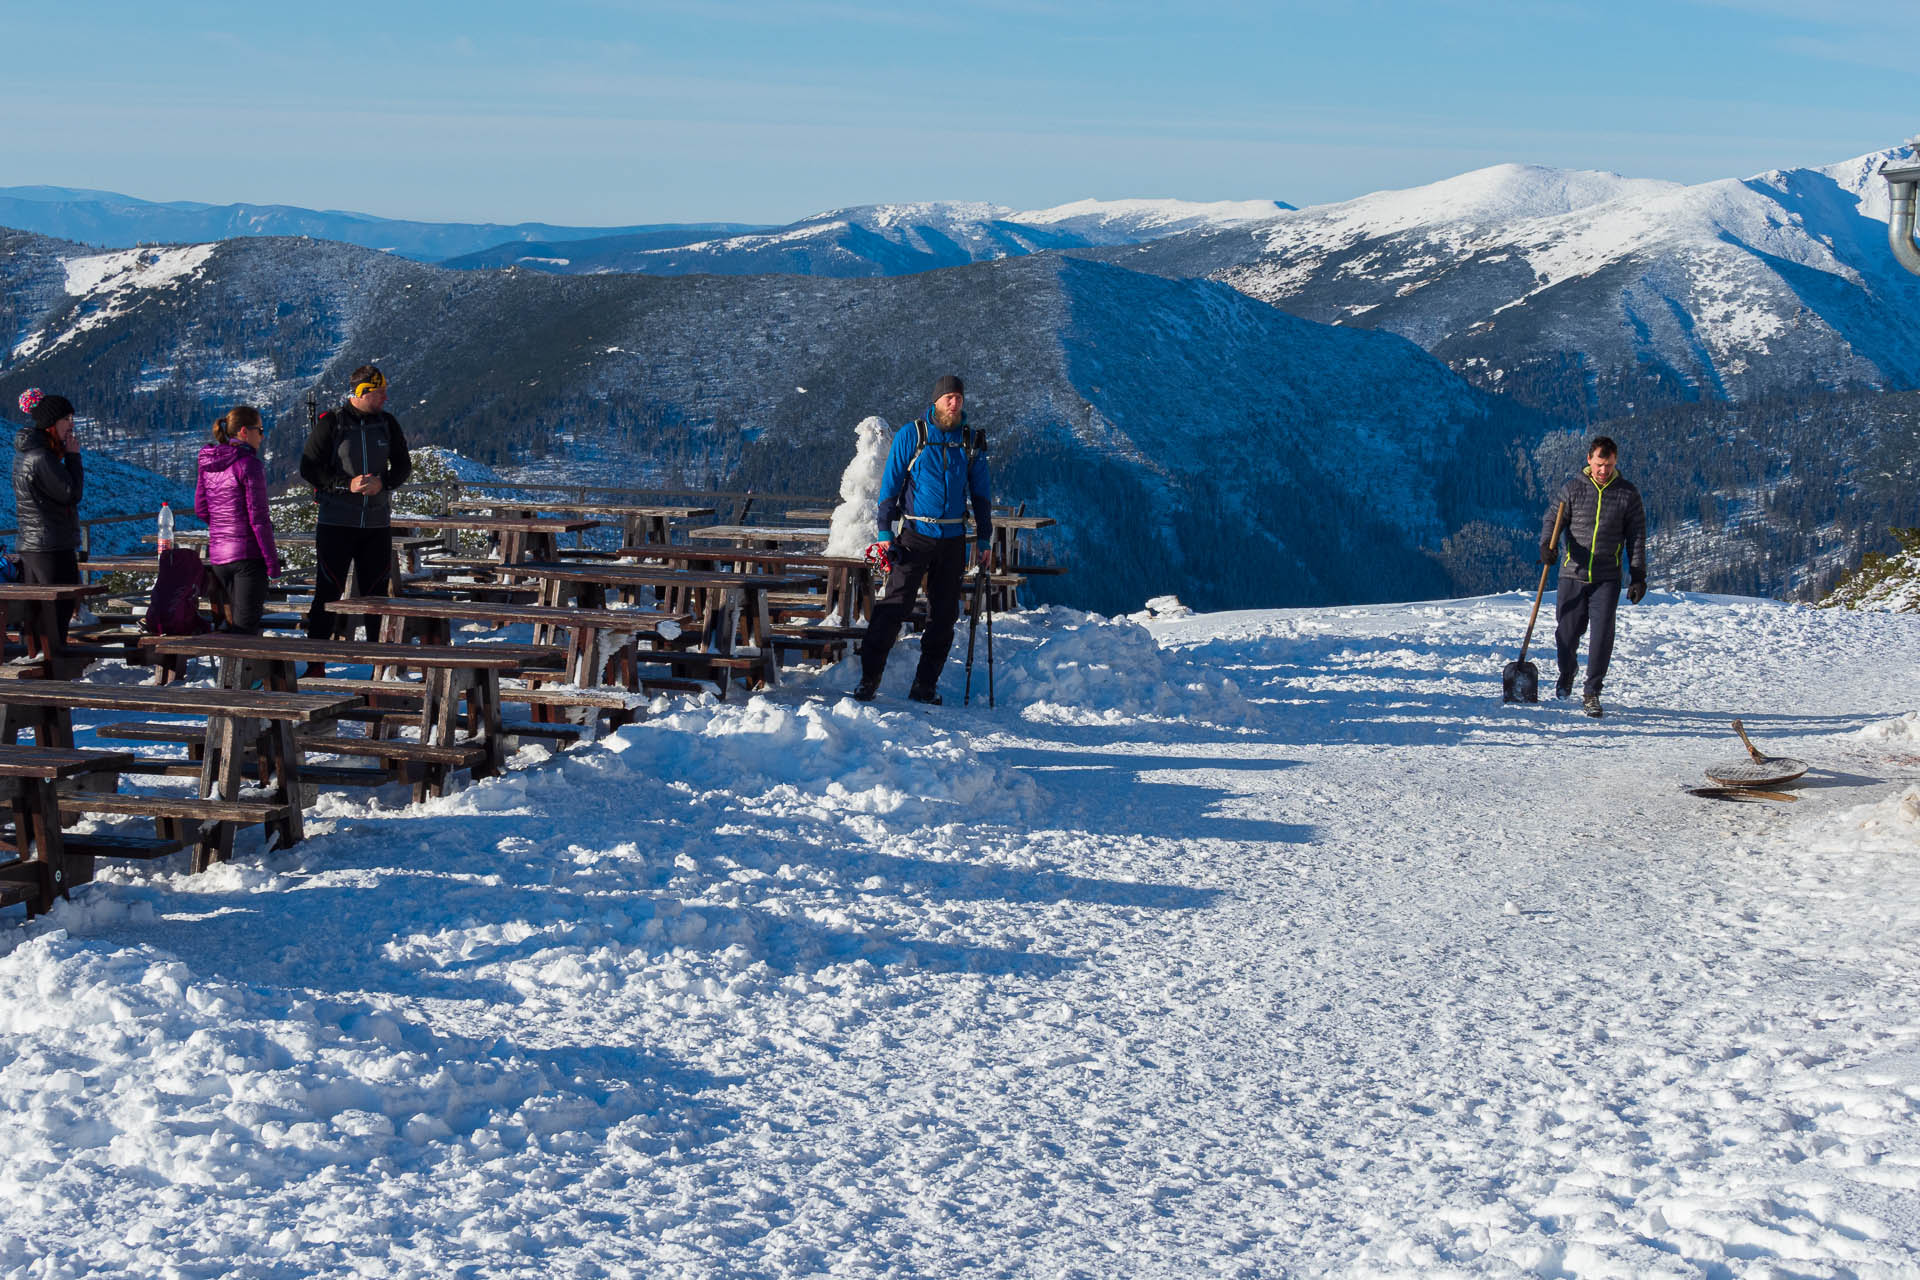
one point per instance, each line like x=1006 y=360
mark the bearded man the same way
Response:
x=936 y=464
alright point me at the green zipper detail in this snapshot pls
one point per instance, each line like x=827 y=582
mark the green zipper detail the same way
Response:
x=1599 y=498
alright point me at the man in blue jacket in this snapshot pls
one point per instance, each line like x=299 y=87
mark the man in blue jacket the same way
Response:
x=935 y=465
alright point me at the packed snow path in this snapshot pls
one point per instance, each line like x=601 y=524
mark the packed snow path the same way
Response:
x=1278 y=947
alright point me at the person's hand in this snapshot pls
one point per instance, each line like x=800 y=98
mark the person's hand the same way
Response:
x=880 y=556
x=367 y=485
x=274 y=567
x=1636 y=593
x=984 y=557
x=67 y=443
x=1546 y=554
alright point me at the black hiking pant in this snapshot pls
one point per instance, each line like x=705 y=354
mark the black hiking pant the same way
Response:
x=245 y=585
x=338 y=548
x=52 y=569
x=1585 y=608
x=941 y=563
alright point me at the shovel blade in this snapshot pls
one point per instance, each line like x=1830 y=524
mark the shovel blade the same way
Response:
x=1520 y=682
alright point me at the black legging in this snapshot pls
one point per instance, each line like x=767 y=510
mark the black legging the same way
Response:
x=52 y=568
x=245 y=582
x=339 y=547
x=942 y=562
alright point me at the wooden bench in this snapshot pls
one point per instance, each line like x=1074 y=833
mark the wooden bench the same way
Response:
x=178 y=820
x=45 y=863
x=619 y=704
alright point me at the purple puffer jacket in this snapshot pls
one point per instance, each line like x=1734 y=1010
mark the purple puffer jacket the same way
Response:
x=231 y=496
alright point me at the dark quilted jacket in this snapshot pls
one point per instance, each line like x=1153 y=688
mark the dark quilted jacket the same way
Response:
x=46 y=494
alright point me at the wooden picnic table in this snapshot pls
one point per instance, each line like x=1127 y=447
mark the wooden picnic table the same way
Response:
x=40 y=619
x=238 y=721
x=767 y=536
x=650 y=522
x=732 y=606
x=449 y=672
x=848 y=595
x=521 y=537
x=585 y=663
x=44 y=867
x=1006 y=542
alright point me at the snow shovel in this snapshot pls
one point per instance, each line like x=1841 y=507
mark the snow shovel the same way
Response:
x=1520 y=682
x=1739 y=793
x=1757 y=770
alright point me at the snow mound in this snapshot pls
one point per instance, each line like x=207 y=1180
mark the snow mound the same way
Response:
x=1061 y=666
x=827 y=758
x=1904 y=728
x=1889 y=825
x=130 y=1062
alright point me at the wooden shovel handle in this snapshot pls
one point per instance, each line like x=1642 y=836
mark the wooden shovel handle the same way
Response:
x=1559 y=514
x=1748 y=743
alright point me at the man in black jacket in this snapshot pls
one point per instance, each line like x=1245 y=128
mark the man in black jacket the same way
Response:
x=355 y=457
x=1603 y=519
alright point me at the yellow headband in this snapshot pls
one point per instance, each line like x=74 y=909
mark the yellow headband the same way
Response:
x=377 y=382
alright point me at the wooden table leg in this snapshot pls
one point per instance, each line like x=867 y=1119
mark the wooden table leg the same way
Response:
x=36 y=817
x=283 y=754
x=228 y=738
x=439 y=705
x=483 y=704
x=759 y=629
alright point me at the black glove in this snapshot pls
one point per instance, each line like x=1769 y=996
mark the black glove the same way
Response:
x=1636 y=592
x=1547 y=554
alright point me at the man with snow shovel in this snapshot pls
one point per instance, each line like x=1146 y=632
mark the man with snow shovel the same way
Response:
x=934 y=467
x=1604 y=519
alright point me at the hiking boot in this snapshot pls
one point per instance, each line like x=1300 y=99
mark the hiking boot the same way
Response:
x=927 y=693
x=1591 y=705
x=1564 y=689
x=864 y=691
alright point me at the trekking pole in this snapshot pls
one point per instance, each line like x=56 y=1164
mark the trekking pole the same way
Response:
x=987 y=597
x=973 y=629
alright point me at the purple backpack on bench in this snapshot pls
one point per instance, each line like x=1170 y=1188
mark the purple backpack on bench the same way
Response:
x=174 y=607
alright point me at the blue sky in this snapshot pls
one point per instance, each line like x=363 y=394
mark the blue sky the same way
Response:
x=605 y=112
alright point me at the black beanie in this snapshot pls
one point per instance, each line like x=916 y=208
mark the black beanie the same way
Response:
x=50 y=410
x=951 y=382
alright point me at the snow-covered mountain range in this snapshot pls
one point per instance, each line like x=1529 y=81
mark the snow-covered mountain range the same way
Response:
x=113 y=221
x=886 y=239
x=1589 y=294
x=883 y=239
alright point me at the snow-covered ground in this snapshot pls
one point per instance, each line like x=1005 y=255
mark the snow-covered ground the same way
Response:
x=1254 y=944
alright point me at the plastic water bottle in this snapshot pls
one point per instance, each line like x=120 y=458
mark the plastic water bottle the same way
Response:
x=166 y=528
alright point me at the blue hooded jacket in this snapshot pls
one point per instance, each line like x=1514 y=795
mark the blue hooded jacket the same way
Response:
x=931 y=491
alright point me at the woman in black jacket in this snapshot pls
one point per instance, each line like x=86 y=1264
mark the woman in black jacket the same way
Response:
x=47 y=482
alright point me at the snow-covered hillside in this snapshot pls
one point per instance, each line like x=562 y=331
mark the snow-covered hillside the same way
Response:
x=1591 y=291
x=1252 y=945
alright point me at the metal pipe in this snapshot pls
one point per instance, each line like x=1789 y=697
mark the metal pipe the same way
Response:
x=1901 y=184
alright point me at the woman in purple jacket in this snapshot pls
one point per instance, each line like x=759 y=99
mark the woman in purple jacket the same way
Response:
x=231 y=496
